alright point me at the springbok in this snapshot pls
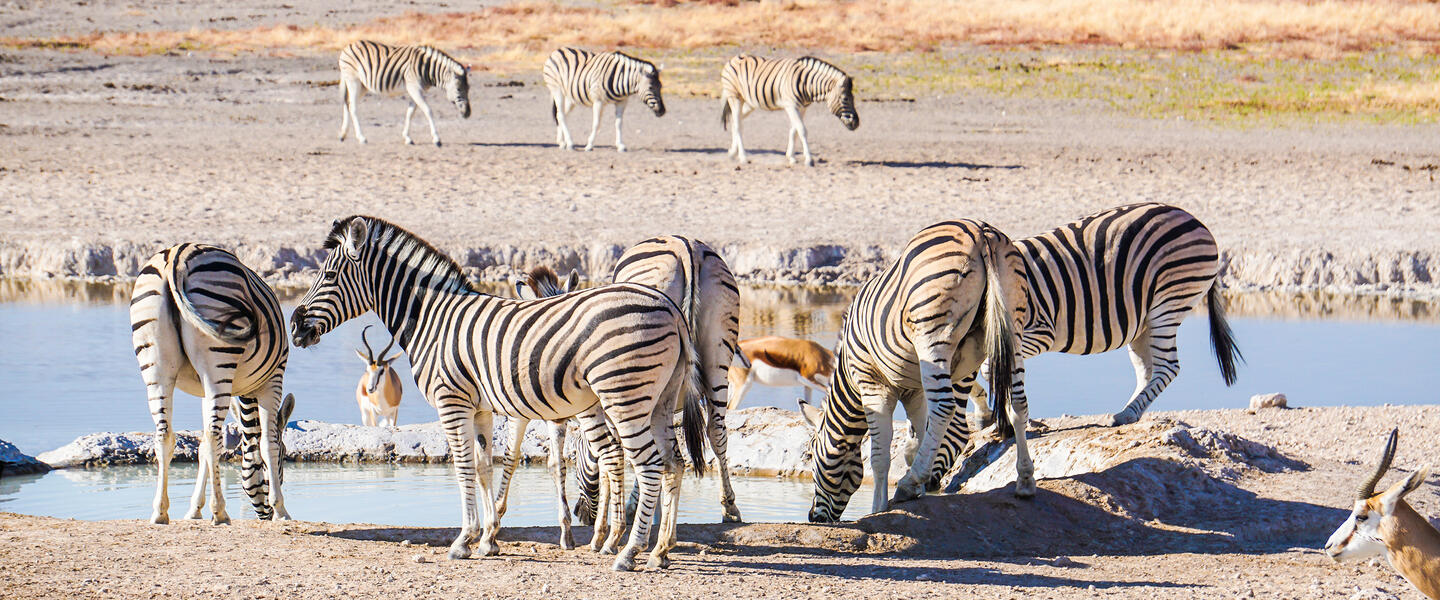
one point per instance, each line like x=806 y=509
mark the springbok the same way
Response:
x=781 y=362
x=378 y=392
x=1385 y=523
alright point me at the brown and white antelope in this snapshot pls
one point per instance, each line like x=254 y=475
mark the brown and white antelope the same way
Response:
x=378 y=392
x=781 y=362
x=1385 y=523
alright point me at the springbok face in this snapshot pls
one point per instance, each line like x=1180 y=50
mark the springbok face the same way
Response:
x=651 y=97
x=377 y=366
x=1360 y=536
x=457 y=89
x=341 y=292
x=842 y=103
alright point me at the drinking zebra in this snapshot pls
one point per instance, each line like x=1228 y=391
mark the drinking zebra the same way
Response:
x=577 y=77
x=789 y=84
x=1126 y=276
x=204 y=322
x=954 y=299
x=697 y=279
x=623 y=346
x=382 y=69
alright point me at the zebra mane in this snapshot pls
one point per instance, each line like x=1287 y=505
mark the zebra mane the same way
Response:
x=830 y=70
x=450 y=63
x=642 y=61
x=544 y=281
x=422 y=254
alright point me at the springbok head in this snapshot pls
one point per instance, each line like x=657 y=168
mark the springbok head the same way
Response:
x=1374 y=521
x=377 y=365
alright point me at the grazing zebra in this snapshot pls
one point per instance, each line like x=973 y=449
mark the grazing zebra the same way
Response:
x=954 y=299
x=1125 y=276
x=203 y=322
x=577 y=76
x=697 y=279
x=382 y=69
x=789 y=84
x=624 y=346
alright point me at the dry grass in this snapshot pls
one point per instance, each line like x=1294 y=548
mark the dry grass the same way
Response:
x=1306 y=28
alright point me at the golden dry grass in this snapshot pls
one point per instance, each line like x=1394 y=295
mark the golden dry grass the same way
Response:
x=1301 y=27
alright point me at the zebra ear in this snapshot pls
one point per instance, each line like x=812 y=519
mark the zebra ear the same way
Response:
x=573 y=281
x=356 y=234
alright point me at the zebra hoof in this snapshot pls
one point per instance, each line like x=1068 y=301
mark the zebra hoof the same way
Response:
x=809 y=162
x=620 y=149
x=437 y=143
x=658 y=562
x=623 y=563
x=220 y=519
x=1025 y=488
x=194 y=514
x=160 y=518
x=589 y=148
x=567 y=541
x=905 y=492
x=458 y=552
x=409 y=142
x=1123 y=418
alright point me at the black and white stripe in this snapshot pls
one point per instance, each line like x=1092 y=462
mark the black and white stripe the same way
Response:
x=791 y=84
x=382 y=69
x=623 y=346
x=915 y=335
x=580 y=77
x=1124 y=277
x=205 y=323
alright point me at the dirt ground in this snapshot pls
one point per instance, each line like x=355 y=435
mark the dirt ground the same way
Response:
x=242 y=151
x=1242 y=530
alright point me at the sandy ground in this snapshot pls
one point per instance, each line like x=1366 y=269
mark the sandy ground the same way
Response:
x=1252 y=531
x=109 y=158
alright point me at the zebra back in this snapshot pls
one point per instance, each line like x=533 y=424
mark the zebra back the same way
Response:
x=1096 y=282
x=587 y=78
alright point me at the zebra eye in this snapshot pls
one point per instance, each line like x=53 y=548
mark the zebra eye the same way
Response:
x=328 y=277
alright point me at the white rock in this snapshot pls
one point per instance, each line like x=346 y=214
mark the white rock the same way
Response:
x=1260 y=401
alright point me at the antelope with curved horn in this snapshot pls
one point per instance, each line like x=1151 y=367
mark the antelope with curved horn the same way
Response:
x=378 y=393
x=1385 y=523
x=781 y=362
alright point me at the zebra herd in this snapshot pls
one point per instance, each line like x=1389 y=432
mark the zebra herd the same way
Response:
x=577 y=77
x=962 y=300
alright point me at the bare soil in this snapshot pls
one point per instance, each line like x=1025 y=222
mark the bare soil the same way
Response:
x=1146 y=528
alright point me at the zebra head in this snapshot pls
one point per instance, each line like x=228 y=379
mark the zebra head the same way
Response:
x=651 y=96
x=842 y=102
x=342 y=291
x=839 y=430
x=457 y=88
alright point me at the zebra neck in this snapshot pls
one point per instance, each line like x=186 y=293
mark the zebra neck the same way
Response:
x=411 y=289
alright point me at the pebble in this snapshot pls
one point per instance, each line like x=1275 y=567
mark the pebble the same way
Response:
x=420 y=558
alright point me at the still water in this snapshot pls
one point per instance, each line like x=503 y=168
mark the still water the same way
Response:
x=68 y=370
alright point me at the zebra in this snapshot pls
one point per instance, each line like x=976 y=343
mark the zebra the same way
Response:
x=577 y=77
x=953 y=299
x=789 y=84
x=202 y=321
x=382 y=69
x=623 y=346
x=1126 y=276
x=697 y=279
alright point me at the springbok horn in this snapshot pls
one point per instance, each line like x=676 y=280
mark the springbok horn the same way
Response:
x=387 y=348
x=368 y=352
x=1367 y=489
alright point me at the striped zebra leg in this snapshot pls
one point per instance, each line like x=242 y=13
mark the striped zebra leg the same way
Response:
x=1019 y=412
x=556 y=463
x=797 y=129
x=274 y=411
x=161 y=407
x=736 y=108
x=353 y=90
x=878 y=419
x=647 y=456
x=508 y=462
x=595 y=109
x=460 y=430
x=560 y=108
x=1157 y=363
x=935 y=378
x=957 y=437
x=252 y=475
x=216 y=406
x=619 y=117
x=417 y=98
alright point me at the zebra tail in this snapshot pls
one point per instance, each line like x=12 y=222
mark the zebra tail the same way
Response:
x=225 y=330
x=692 y=419
x=1222 y=339
x=999 y=339
x=725 y=117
